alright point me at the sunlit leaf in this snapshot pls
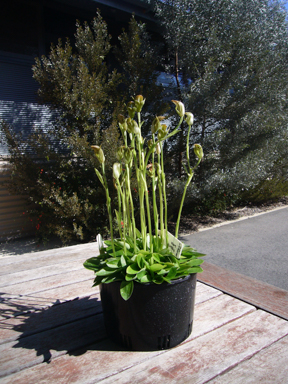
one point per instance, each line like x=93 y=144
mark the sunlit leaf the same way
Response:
x=126 y=289
x=105 y=271
x=156 y=267
x=133 y=269
x=142 y=273
x=146 y=279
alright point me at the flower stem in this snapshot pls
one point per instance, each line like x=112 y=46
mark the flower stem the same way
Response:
x=182 y=202
x=164 y=197
x=108 y=204
x=155 y=209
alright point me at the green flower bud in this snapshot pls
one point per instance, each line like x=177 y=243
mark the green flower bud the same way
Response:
x=116 y=170
x=158 y=148
x=158 y=168
x=121 y=119
x=180 y=109
x=120 y=153
x=122 y=123
x=163 y=131
x=150 y=170
x=156 y=123
x=132 y=126
x=137 y=131
x=189 y=118
x=198 y=150
x=138 y=103
x=131 y=109
x=98 y=153
x=128 y=153
x=149 y=143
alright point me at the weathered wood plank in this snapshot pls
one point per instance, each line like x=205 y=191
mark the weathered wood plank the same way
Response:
x=38 y=321
x=89 y=367
x=226 y=331
x=206 y=357
x=269 y=366
x=41 y=347
x=221 y=309
x=51 y=256
x=14 y=305
x=20 y=265
x=204 y=292
x=264 y=296
x=46 y=283
x=224 y=310
x=40 y=273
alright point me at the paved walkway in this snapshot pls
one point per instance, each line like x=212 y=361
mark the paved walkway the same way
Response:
x=256 y=246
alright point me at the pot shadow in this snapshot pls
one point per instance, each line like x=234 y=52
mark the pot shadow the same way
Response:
x=72 y=327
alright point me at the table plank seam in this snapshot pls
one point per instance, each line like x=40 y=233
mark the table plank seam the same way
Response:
x=247 y=358
x=258 y=306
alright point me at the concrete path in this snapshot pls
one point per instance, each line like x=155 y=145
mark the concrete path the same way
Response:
x=255 y=246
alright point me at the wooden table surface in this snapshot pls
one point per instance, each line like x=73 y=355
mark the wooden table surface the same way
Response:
x=52 y=331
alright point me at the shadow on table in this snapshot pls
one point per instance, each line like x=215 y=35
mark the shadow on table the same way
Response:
x=72 y=327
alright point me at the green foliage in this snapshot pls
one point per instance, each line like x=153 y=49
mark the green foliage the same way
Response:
x=57 y=175
x=136 y=265
x=267 y=191
x=139 y=61
x=230 y=59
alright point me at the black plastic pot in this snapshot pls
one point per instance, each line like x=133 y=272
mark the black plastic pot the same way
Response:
x=155 y=317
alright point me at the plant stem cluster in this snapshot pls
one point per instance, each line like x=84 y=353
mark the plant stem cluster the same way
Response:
x=143 y=255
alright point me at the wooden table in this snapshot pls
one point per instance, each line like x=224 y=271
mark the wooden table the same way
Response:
x=52 y=331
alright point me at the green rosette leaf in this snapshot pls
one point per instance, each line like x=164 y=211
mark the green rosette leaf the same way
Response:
x=126 y=289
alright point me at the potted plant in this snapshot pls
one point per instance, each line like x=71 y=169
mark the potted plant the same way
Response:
x=147 y=276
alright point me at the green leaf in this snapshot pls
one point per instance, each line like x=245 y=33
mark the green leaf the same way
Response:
x=194 y=270
x=108 y=279
x=138 y=234
x=92 y=263
x=158 y=279
x=146 y=279
x=113 y=263
x=105 y=271
x=130 y=277
x=162 y=272
x=157 y=257
x=142 y=273
x=123 y=261
x=140 y=260
x=130 y=241
x=97 y=281
x=192 y=253
x=172 y=273
x=133 y=269
x=126 y=289
x=194 y=263
x=121 y=244
x=156 y=267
